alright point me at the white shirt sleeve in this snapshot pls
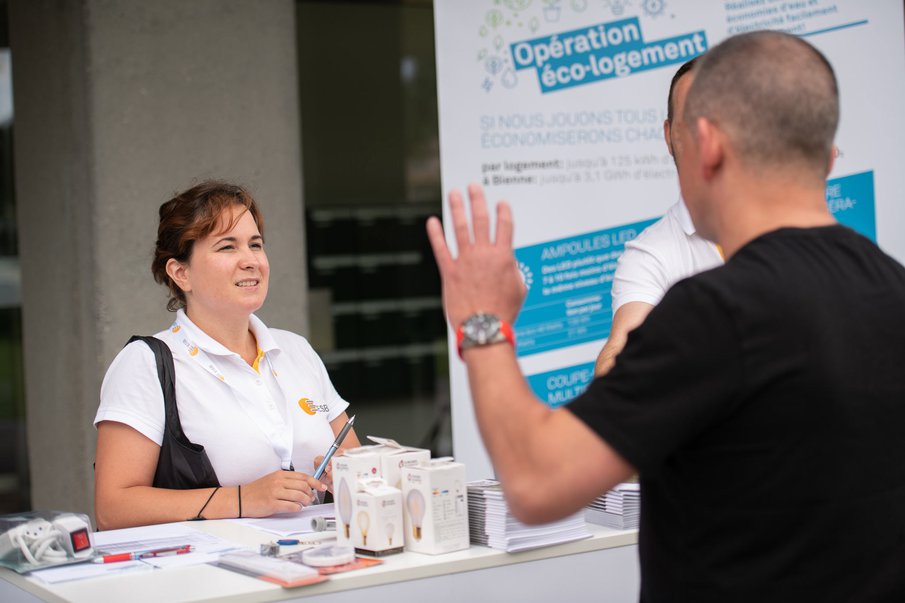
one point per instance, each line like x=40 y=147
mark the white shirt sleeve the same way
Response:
x=640 y=276
x=331 y=397
x=299 y=350
x=131 y=392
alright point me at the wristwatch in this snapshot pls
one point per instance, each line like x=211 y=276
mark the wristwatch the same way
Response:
x=483 y=329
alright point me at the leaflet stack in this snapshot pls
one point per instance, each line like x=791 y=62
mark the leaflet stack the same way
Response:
x=491 y=523
x=620 y=508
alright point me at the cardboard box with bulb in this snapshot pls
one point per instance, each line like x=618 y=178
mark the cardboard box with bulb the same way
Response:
x=435 y=507
x=356 y=464
x=350 y=467
x=376 y=524
x=394 y=456
x=385 y=458
x=342 y=495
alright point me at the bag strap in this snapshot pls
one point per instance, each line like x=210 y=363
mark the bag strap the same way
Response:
x=166 y=372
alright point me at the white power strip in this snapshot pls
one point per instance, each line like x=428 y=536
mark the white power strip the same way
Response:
x=40 y=542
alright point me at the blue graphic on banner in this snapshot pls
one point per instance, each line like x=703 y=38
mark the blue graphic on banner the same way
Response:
x=569 y=283
x=600 y=52
x=851 y=201
x=562 y=385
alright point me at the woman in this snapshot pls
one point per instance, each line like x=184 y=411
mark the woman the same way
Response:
x=259 y=400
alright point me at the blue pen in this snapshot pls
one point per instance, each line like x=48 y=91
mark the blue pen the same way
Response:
x=339 y=440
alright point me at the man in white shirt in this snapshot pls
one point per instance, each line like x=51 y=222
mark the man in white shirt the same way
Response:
x=663 y=254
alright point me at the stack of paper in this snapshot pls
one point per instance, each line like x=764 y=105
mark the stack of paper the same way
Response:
x=620 y=508
x=492 y=525
x=291 y=524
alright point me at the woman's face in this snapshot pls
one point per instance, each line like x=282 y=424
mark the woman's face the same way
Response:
x=228 y=272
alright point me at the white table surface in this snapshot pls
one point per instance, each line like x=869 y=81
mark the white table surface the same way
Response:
x=210 y=583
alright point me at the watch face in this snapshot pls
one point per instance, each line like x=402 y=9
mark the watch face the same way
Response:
x=481 y=328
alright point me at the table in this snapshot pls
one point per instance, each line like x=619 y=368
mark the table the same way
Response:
x=601 y=568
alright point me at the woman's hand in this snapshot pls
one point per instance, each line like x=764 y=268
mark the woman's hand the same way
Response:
x=279 y=492
x=351 y=441
x=327 y=477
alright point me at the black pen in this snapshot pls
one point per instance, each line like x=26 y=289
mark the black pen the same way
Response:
x=339 y=440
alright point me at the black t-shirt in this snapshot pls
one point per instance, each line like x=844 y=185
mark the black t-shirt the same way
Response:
x=763 y=404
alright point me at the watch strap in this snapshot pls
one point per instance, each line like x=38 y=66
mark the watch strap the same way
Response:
x=506 y=331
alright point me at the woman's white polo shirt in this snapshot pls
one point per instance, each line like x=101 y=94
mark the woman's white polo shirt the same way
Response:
x=251 y=423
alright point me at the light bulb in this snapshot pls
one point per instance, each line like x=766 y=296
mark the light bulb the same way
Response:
x=390 y=528
x=415 y=503
x=364 y=522
x=344 y=501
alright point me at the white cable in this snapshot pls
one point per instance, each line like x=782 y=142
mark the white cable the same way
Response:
x=40 y=545
x=48 y=546
x=19 y=542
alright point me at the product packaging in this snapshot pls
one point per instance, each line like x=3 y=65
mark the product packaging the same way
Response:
x=39 y=539
x=348 y=469
x=377 y=524
x=394 y=456
x=435 y=507
x=383 y=459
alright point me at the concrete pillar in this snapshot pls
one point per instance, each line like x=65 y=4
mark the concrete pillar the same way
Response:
x=119 y=104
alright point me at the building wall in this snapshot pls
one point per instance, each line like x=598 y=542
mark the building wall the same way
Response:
x=120 y=104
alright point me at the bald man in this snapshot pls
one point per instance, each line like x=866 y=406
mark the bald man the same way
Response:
x=761 y=402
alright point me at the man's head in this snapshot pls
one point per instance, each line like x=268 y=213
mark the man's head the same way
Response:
x=775 y=98
x=675 y=100
x=762 y=104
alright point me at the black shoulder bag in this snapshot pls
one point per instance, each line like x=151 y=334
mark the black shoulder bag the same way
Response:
x=181 y=465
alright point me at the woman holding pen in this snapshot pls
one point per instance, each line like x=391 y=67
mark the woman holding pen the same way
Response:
x=258 y=400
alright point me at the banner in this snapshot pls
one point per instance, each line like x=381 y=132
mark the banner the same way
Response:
x=558 y=106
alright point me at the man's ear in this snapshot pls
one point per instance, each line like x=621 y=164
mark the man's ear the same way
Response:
x=832 y=161
x=667 y=135
x=179 y=273
x=711 y=144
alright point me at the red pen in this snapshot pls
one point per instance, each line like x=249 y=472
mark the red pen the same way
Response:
x=173 y=550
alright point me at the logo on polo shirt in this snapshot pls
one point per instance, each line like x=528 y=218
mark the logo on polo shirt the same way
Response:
x=310 y=407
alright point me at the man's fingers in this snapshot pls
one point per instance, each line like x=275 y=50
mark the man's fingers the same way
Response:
x=503 y=224
x=438 y=243
x=503 y=234
x=460 y=220
x=479 y=216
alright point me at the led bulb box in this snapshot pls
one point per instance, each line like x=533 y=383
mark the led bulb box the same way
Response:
x=435 y=507
x=394 y=456
x=384 y=459
x=355 y=464
x=348 y=469
x=377 y=526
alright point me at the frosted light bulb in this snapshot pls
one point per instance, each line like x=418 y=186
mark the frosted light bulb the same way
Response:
x=390 y=528
x=364 y=522
x=344 y=502
x=415 y=503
